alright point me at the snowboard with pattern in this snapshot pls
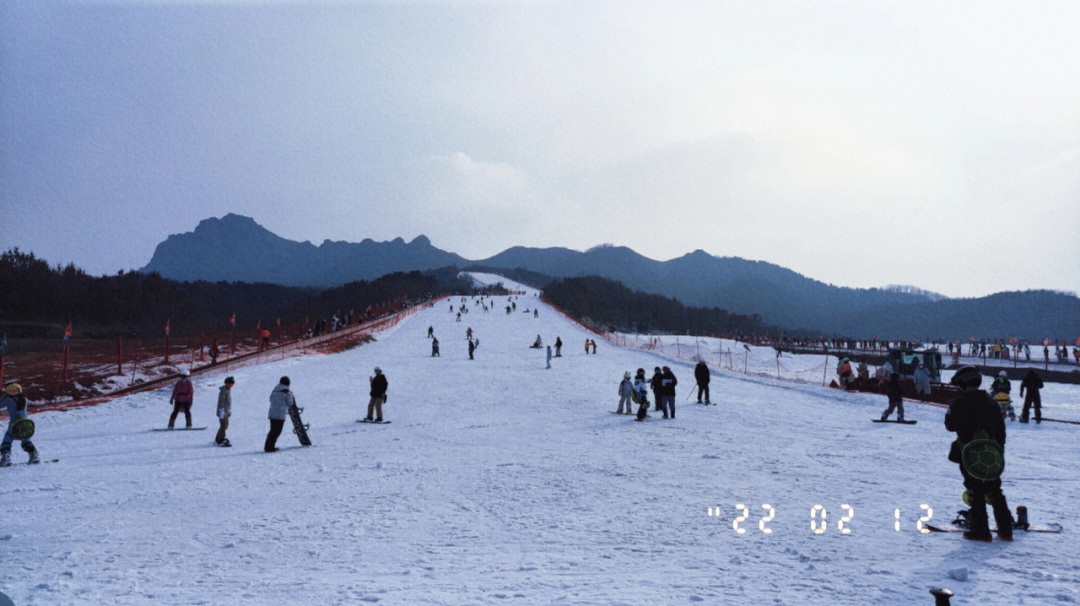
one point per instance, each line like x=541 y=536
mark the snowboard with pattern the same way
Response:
x=298 y=425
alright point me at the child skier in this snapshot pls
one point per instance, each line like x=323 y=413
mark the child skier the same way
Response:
x=15 y=402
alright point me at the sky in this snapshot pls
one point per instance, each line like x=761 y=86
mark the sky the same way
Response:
x=859 y=143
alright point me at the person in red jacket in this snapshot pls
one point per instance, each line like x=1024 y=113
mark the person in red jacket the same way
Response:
x=182 y=395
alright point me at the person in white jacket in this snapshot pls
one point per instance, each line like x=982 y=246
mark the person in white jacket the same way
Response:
x=922 y=381
x=280 y=401
x=626 y=393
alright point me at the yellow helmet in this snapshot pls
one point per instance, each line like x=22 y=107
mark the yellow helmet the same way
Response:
x=13 y=389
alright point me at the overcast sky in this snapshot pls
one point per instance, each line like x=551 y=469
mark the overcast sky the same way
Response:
x=860 y=143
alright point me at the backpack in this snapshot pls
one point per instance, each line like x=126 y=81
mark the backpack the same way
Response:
x=983 y=458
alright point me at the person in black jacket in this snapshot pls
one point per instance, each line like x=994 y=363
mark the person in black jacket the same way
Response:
x=973 y=411
x=656 y=382
x=558 y=347
x=378 y=396
x=668 y=383
x=1032 y=384
x=701 y=375
x=895 y=391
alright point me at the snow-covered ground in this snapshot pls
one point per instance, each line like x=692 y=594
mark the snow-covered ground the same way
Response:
x=501 y=482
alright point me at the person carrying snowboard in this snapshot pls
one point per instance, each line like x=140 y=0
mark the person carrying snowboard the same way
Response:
x=626 y=393
x=641 y=391
x=1032 y=384
x=280 y=401
x=895 y=391
x=558 y=347
x=182 y=395
x=702 y=376
x=668 y=383
x=224 y=411
x=15 y=403
x=979 y=449
x=378 y=396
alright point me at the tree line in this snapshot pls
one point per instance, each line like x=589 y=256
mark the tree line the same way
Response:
x=38 y=300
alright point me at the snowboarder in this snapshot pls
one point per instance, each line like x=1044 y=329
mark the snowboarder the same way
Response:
x=281 y=399
x=922 y=381
x=626 y=393
x=537 y=344
x=656 y=382
x=15 y=403
x=431 y=332
x=641 y=390
x=668 y=382
x=999 y=392
x=975 y=418
x=548 y=356
x=378 y=396
x=586 y=347
x=895 y=391
x=536 y=313
x=1032 y=384
x=472 y=347
x=701 y=375
x=435 y=348
x=594 y=346
x=224 y=411
x=468 y=333
x=182 y=395
x=558 y=347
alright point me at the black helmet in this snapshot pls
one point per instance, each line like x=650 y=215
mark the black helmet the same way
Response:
x=967 y=376
x=284 y=380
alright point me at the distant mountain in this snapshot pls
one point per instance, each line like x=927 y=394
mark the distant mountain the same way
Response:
x=235 y=248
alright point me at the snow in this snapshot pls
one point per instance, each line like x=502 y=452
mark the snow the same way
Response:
x=500 y=481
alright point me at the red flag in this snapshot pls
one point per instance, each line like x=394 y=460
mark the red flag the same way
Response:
x=67 y=332
x=232 y=320
x=1012 y=339
x=167 y=322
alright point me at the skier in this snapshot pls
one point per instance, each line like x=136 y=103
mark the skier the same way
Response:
x=973 y=415
x=15 y=402
x=435 y=347
x=922 y=381
x=181 y=397
x=1032 y=384
x=280 y=401
x=701 y=375
x=641 y=395
x=626 y=393
x=224 y=411
x=378 y=396
x=895 y=391
x=558 y=347
x=656 y=381
x=668 y=382
x=548 y=356
x=472 y=347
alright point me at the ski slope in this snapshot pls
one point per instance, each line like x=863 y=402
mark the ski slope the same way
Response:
x=499 y=481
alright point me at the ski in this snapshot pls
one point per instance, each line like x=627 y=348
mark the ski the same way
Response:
x=178 y=429
x=1053 y=528
x=905 y=422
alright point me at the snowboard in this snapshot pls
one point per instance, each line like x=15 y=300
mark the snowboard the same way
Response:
x=298 y=425
x=41 y=462
x=1053 y=528
x=374 y=422
x=904 y=422
x=178 y=429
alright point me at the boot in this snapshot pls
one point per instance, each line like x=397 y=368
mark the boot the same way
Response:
x=5 y=459
x=34 y=458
